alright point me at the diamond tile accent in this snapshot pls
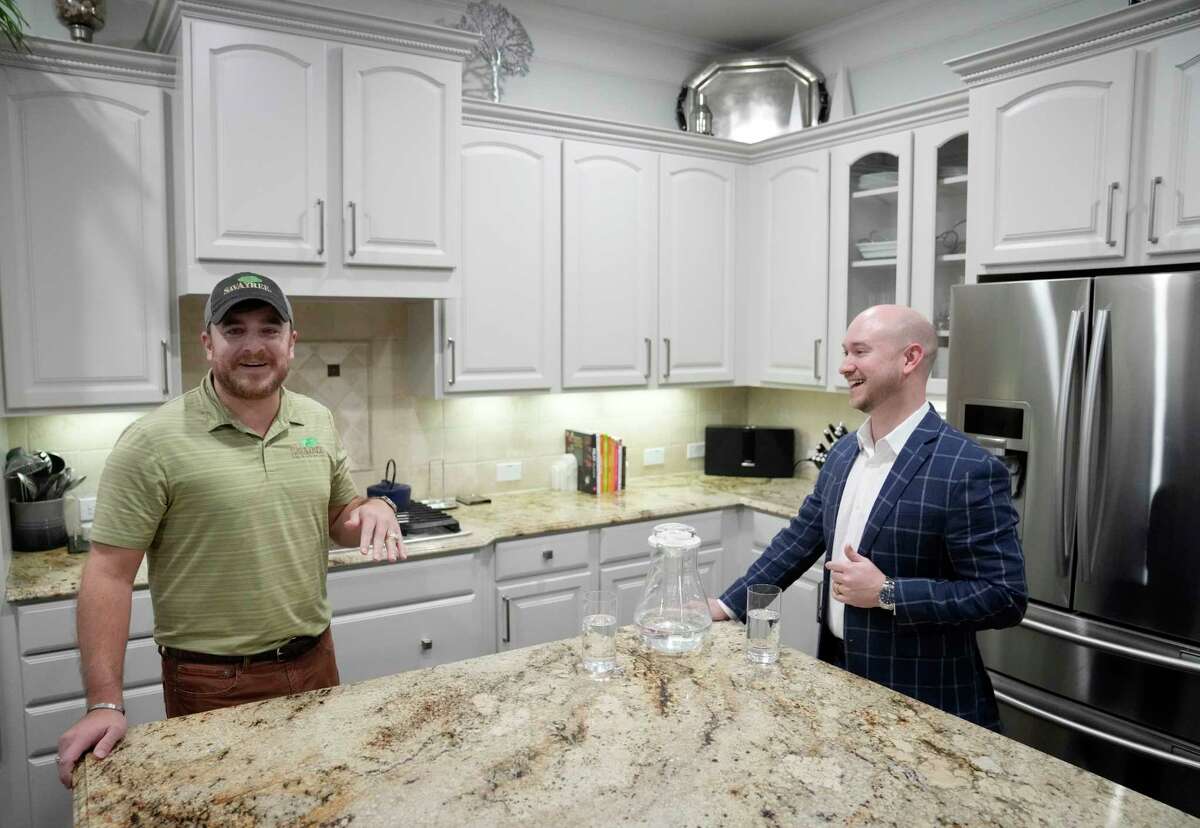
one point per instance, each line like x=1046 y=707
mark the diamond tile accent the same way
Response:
x=346 y=395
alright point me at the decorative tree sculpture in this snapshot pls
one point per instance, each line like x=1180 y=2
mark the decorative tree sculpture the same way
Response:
x=504 y=47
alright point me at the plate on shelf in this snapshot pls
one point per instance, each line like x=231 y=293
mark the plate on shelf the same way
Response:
x=877 y=249
x=953 y=172
x=875 y=180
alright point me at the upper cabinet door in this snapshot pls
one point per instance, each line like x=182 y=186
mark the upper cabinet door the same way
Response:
x=696 y=255
x=259 y=144
x=610 y=264
x=84 y=264
x=1174 y=163
x=1050 y=155
x=503 y=334
x=401 y=117
x=794 y=236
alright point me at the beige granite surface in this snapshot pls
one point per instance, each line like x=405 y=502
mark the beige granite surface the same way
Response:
x=523 y=738
x=43 y=576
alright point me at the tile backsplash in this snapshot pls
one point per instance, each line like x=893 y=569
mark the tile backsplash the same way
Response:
x=468 y=435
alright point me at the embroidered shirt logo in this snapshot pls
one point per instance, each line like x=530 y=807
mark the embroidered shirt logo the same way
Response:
x=307 y=447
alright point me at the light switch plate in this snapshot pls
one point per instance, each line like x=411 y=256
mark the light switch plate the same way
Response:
x=508 y=471
x=654 y=457
x=695 y=450
x=87 y=509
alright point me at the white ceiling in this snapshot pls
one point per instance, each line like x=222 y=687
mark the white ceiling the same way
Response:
x=739 y=24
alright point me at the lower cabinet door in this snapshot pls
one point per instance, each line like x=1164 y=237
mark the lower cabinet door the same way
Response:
x=800 y=628
x=628 y=581
x=394 y=639
x=536 y=611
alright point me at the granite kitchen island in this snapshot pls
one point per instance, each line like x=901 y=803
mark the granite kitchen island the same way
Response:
x=524 y=738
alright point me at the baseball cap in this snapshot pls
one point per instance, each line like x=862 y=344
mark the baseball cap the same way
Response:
x=243 y=287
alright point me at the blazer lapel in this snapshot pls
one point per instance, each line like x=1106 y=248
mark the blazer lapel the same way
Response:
x=910 y=460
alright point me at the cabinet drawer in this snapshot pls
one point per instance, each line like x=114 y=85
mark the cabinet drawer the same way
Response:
x=44 y=724
x=44 y=628
x=534 y=556
x=388 y=641
x=631 y=539
x=764 y=528
x=374 y=587
x=55 y=676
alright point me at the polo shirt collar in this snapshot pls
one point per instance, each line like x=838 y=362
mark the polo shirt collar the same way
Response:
x=217 y=415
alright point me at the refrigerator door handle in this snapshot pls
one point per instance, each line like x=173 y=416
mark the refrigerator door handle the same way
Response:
x=1066 y=386
x=1091 y=405
x=1170 y=662
x=1078 y=727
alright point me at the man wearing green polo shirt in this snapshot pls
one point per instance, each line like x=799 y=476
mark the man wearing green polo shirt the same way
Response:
x=231 y=492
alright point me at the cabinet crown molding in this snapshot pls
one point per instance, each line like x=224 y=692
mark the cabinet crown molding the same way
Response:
x=92 y=60
x=1115 y=30
x=304 y=18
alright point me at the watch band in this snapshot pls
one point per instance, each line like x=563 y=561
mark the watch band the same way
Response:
x=887 y=595
x=391 y=504
x=106 y=706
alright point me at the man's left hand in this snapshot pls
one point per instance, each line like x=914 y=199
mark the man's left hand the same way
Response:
x=855 y=581
x=379 y=533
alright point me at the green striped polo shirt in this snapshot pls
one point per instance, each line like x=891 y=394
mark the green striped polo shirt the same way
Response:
x=235 y=526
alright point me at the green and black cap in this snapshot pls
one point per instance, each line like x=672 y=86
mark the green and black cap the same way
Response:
x=243 y=287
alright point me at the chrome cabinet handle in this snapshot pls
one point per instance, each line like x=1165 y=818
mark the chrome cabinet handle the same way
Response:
x=166 y=371
x=353 y=228
x=1108 y=237
x=320 y=226
x=1067 y=385
x=1091 y=393
x=1154 y=182
x=649 y=355
x=507 y=622
x=548 y=555
x=426 y=643
x=453 y=373
x=667 y=369
x=817 y=359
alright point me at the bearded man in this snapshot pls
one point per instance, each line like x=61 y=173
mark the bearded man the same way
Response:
x=232 y=492
x=916 y=526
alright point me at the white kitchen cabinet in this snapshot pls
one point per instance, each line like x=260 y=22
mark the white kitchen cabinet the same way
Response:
x=83 y=229
x=1050 y=163
x=696 y=270
x=539 y=610
x=400 y=170
x=504 y=332
x=790 y=219
x=610 y=265
x=869 y=233
x=800 y=627
x=939 y=234
x=1172 y=183
x=259 y=154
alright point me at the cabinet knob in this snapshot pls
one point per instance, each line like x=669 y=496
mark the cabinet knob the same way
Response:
x=548 y=555
x=426 y=643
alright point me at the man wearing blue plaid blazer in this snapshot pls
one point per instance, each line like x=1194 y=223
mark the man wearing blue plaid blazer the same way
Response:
x=916 y=525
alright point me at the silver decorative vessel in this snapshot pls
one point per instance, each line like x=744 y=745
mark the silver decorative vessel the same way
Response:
x=82 y=17
x=751 y=98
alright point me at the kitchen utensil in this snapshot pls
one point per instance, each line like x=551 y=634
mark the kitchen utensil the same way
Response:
x=28 y=488
x=38 y=526
x=75 y=481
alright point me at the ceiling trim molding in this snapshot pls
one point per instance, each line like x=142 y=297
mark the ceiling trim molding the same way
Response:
x=304 y=18
x=1115 y=30
x=92 y=60
x=844 y=25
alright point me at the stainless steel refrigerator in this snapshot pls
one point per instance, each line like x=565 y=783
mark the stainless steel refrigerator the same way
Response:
x=1089 y=390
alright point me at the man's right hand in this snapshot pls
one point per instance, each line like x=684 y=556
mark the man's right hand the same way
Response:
x=100 y=729
x=715 y=610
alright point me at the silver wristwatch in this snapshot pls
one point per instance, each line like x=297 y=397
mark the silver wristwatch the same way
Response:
x=391 y=503
x=887 y=595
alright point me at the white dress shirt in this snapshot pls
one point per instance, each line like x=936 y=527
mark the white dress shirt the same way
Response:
x=866 y=479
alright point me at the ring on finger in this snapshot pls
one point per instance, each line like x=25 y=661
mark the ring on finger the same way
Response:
x=393 y=536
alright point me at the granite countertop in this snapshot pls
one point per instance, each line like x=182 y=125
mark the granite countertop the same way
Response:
x=524 y=738
x=44 y=576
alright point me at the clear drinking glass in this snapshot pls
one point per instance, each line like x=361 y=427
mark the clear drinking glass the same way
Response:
x=598 y=640
x=764 y=607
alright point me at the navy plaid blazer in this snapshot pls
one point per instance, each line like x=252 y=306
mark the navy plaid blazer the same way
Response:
x=945 y=529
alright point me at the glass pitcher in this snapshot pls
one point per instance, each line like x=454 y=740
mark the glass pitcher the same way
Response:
x=673 y=616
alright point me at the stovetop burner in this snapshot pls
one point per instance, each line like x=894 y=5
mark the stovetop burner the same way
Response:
x=419 y=520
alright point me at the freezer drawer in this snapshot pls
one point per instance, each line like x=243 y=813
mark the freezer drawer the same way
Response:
x=1136 y=757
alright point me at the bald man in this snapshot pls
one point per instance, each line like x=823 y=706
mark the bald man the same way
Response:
x=917 y=528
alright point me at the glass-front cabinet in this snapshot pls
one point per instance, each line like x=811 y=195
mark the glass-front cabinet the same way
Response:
x=939 y=256
x=871 y=200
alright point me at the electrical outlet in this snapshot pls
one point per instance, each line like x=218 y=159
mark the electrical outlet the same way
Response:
x=508 y=471
x=695 y=450
x=654 y=457
x=87 y=509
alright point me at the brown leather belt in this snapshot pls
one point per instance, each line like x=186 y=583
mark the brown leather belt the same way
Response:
x=292 y=648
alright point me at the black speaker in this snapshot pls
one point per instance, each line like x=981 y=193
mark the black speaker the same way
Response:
x=747 y=451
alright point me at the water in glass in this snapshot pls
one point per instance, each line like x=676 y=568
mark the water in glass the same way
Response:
x=599 y=642
x=762 y=635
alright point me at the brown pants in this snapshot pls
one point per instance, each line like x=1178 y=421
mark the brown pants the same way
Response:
x=189 y=687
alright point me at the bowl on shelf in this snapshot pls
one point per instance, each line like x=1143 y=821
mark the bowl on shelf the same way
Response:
x=876 y=180
x=877 y=249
